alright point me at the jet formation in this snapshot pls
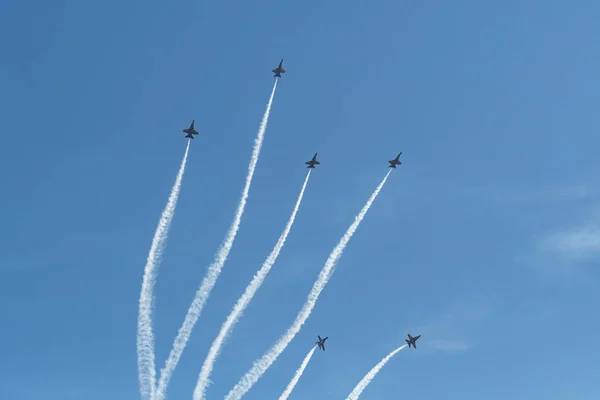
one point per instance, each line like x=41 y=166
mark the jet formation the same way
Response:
x=411 y=341
x=311 y=164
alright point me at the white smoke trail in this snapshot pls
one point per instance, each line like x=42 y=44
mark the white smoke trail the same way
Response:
x=288 y=390
x=214 y=270
x=260 y=366
x=145 y=336
x=243 y=301
x=370 y=375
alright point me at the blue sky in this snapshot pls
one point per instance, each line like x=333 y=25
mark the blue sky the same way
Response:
x=486 y=240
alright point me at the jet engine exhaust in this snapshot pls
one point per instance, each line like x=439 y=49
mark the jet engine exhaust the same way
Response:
x=243 y=301
x=261 y=365
x=214 y=270
x=290 y=387
x=145 y=336
x=364 y=382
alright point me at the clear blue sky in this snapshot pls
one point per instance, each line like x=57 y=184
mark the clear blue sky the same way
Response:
x=486 y=241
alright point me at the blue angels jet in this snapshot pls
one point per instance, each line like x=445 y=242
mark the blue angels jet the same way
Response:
x=412 y=340
x=191 y=131
x=395 y=161
x=321 y=342
x=313 y=162
x=279 y=70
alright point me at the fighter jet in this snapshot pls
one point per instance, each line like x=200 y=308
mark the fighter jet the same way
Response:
x=279 y=70
x=191 y=131
x=321 y=342
x=412 y=340
x=313 y=162
x=395 y=161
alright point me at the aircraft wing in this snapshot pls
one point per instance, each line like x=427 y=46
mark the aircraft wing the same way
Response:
x=410 y=337
x=323 y=346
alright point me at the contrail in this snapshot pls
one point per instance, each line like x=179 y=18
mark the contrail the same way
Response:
x=145 y=337
x=371 y=374
x=243 y=301
x=260 y=366
x=209 y=281
x=299 y=372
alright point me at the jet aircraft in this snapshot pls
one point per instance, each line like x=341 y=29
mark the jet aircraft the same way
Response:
x=395 y=161
x=412 y=340
x=313 y=162
x=321 y=342
x=190 y=131
x=279 y=70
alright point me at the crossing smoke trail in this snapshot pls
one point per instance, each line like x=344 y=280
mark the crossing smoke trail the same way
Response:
x=243 y=301
x=145 y=337
x=260 y=366
x=214 y=270
x=370 y=375
x=296 y=378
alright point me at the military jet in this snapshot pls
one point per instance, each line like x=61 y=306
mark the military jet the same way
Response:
x=321 y=342
x=279 y=70
x=191 y=131
x=313 y=162
x=412 y=340
x=395 y=161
